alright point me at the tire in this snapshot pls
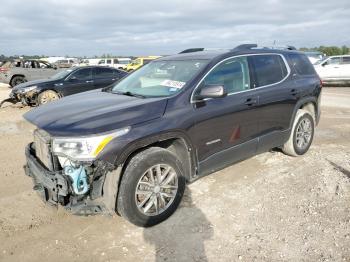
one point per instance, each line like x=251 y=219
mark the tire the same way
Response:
x=47 y=96
x=140 y=209
x=17 y=80
x=302 y=134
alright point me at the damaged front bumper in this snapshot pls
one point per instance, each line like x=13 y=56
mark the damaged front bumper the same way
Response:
x=26 y=98
x=56 y=188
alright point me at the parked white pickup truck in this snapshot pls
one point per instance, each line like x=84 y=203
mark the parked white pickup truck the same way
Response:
x=334 y=69
x=114 y=62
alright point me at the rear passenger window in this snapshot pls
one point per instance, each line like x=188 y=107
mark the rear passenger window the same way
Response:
x=301 y=64
x=233 y=74
x=101 y=72
x=269 y=69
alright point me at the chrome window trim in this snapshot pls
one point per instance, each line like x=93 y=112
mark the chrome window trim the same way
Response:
x=192 y=101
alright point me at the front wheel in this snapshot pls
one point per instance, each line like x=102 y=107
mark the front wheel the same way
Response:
x=151 y=188
x=47 y=96
x=301 y=135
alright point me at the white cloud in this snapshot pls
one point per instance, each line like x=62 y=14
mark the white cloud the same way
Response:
x=87 y=27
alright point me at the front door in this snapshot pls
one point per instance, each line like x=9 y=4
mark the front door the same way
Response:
x=345 y=68
x=226 y=128
x=79 y=81
x=330 y=69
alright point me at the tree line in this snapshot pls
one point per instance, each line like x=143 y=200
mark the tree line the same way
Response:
x=328 y=50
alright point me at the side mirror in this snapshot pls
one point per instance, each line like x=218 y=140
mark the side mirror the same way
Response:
x=72 y=79
x=211 y=91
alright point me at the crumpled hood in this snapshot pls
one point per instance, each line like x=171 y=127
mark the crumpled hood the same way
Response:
x=94 y=112
x=32 y=83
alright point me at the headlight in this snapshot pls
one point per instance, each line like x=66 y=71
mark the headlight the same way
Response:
x=84 y=148
x=29 y=88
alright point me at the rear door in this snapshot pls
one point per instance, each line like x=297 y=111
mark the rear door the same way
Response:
x=226 y=128
x=46 y=70
x=277 y=97
x=345 y=67
x=104 y=76
x=79 y=81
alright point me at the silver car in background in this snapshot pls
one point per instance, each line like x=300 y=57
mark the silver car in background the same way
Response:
x=20 y=71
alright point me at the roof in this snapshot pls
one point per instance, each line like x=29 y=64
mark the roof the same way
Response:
x=212 y=54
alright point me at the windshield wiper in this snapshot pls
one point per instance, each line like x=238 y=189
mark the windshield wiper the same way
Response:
x=128 y=93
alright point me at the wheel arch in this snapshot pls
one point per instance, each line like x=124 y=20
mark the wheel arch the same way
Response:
x=309 y=104
x=176 y=142
x=15 y=75
x=44 y=90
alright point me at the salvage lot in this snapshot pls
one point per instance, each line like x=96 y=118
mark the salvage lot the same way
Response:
x=270 y=207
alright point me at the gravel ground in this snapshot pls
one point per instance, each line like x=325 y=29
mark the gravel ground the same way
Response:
x=268 y=208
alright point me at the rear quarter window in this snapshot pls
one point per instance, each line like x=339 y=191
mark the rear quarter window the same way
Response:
x=268 y=69
x=301 y=64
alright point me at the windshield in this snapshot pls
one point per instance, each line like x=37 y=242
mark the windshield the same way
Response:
x=61 y=74
x=320 y=61
x=160 y=78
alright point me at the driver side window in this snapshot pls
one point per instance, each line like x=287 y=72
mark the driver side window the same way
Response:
x=232 y=74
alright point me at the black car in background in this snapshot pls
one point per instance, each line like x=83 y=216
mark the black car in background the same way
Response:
x=65 y=83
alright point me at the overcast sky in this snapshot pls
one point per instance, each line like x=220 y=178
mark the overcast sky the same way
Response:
x=89 y=27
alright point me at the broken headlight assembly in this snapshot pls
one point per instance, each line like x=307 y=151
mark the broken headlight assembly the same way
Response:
x=84 y=148
x=28 y=89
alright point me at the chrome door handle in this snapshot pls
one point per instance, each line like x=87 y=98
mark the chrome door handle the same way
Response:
x=89 y=81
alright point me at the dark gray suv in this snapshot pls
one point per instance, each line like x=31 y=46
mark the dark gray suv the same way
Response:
x=131 y=148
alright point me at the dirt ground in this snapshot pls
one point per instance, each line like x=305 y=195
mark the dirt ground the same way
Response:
x=268 y=208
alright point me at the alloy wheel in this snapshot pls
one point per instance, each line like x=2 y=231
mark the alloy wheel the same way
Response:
x=303 y=133
x=156 y=189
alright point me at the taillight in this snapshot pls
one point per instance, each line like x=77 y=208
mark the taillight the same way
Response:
x=3 y=69
x=321 y=83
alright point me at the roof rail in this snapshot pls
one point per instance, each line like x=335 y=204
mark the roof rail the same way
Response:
x=191 y=50
x=290 y=47
x=245 y=47
x=287 y=47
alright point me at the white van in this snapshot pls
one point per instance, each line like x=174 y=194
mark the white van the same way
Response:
x=114 y=62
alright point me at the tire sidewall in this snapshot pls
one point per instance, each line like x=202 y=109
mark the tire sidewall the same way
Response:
x=297 y=150
x=134 y=171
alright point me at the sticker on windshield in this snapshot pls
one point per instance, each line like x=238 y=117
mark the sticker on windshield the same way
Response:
x=173 y=84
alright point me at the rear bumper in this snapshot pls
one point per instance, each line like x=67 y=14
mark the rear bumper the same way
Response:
x=54 y=188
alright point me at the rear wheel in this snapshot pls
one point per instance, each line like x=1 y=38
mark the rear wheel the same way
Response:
x=18 y=80
x=301 y=135
x=47 y=96
x=151 y=188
